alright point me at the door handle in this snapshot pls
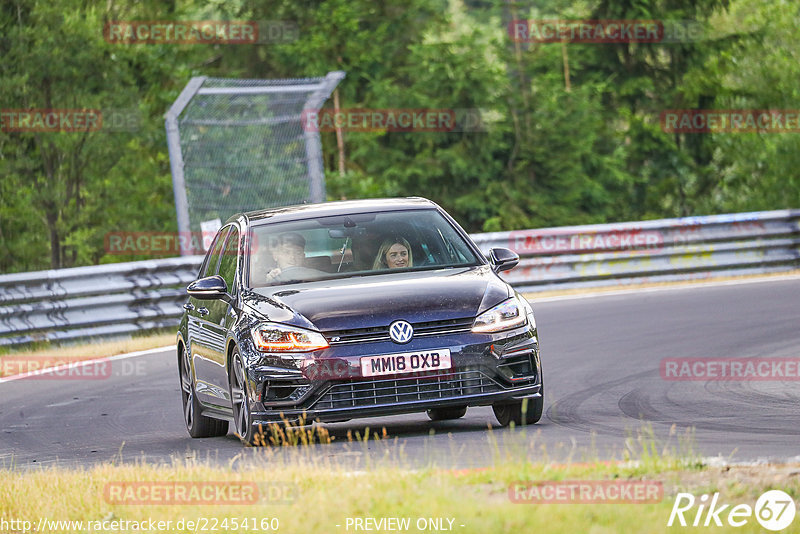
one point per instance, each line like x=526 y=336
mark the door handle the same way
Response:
x=203 y=311
x=188 y=306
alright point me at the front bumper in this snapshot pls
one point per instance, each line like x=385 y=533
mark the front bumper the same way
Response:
x=486 y=369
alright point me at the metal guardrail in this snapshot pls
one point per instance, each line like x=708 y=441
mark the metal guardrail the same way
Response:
x=96 y=301
x=651 y=251
x=122 y=298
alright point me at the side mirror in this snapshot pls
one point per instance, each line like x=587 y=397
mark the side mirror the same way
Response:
x=209 y=288
x=503 y=259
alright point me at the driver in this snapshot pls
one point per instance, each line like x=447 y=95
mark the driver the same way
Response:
x=290 y=256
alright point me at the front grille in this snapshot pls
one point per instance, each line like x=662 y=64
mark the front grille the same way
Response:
x=381 y=333
x=444 y=385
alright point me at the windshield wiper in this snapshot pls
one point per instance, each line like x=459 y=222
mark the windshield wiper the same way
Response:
x=344 y=247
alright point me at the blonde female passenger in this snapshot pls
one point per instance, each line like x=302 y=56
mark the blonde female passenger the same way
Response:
x=394 y=253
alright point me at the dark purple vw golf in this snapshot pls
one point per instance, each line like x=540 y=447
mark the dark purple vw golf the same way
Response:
x=353 y=309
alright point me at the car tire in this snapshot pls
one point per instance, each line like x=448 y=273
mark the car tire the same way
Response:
x=444 y=414
x=242 y=416
x=512 y=412
x=198 y=426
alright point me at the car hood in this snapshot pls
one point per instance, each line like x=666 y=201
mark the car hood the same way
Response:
x=377 y=300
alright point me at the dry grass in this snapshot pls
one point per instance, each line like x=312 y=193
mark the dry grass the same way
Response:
x=310 y=491
x=101 y=348
x=320 y=496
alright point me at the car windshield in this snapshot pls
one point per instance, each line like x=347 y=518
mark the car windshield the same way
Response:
x=356 y=244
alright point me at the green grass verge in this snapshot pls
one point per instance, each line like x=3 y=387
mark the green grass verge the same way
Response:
x=308 y=492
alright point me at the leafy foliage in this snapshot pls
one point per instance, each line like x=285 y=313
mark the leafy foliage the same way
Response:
x=571 y=136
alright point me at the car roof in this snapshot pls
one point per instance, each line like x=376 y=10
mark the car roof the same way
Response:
x=341 y=207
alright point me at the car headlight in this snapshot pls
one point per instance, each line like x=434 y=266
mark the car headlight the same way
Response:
x=274 y=337
x=528 y=310
x=507 y=314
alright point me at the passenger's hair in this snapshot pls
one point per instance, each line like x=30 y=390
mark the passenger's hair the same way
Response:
x=380 y=260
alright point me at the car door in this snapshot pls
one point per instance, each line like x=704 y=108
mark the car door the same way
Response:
x=203 y=337
x=220 y=319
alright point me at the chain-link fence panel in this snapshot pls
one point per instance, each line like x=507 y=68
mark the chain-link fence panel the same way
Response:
x=239 y=145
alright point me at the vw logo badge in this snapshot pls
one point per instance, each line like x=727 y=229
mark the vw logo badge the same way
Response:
x=401 y=331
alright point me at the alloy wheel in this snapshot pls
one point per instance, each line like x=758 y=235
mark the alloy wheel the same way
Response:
x=241 y=409
x=187 y=391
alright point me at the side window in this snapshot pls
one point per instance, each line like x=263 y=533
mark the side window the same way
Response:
x=227 y=265
x=213 y=259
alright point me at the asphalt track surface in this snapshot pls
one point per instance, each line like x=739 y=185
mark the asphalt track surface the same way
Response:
x=601 y=359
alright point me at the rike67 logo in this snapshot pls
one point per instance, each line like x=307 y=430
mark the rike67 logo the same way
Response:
x=774 y=510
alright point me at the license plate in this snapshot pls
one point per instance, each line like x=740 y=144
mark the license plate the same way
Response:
x=406 y=362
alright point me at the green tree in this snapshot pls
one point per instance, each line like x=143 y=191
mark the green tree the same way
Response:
x=74 y=186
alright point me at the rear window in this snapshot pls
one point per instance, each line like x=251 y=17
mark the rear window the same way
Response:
x=355 y=245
